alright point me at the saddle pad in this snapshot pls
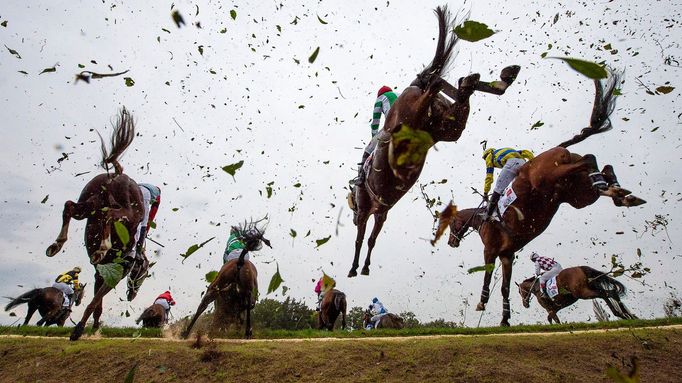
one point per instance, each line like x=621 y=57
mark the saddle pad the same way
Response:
x=508 y=197
x=552 y=288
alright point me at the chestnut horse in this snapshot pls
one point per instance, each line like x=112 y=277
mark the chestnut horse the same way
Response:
x=333 y=304
x=107 y=199
x=386 y=321
x=577 y=283
x=421 y=108
x=153 y=316
x=49 y=303
x=554 y=177
x=235 y=287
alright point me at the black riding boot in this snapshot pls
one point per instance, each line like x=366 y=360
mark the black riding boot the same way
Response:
x=361 y=170
x=492 y=205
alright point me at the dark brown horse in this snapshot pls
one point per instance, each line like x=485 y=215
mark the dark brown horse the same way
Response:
x=333 y=304
x=552 y=178
x=108 y=198
x=48 y=302
x=577 y=283
x=422 y=109
x=153 y=316
x=389 y=320
x=234 y=288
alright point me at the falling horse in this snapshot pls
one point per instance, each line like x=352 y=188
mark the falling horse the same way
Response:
x=106 y=200
x=153 y=316
x=49 y=303
x=388 y=320
x=542 y=185
x=333 y=304
x=577 y=283
x=423 y=110
x=234 y=289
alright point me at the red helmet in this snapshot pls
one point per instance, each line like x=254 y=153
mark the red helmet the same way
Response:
x=383 y=90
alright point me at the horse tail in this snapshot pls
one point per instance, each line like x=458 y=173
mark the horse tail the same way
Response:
x=604 y=103
x=23 y=298
x=598 y=280
x=339 y=301
x=121 y=138
x=444 y=49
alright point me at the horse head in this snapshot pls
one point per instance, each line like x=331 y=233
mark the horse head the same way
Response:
x=525 y=289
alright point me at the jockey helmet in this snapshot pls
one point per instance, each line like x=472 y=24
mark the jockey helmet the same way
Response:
x=487 y=152
x=533 y=256
x=375 y=300
x=77 y=269
x=383 y=90
x=167 y=292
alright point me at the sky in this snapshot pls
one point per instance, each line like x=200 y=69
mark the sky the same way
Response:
x=219 y=90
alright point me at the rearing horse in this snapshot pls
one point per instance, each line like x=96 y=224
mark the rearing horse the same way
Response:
x=422 y=108
x=106 y=199
x=542 y=185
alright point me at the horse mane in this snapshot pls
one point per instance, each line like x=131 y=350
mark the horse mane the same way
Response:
x=444 y=48
x=121 y=138
x=604 y=104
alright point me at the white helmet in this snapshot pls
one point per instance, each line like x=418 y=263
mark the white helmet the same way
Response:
x=534 y=256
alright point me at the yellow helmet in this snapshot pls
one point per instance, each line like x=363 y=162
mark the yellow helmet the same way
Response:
x=77 y=269
x=487 y=152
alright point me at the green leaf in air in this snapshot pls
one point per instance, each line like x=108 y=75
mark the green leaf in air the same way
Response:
x=49 y=70
x=292 y=233
x=130 y=378
x=586 y=68
x=233 y=14
x=211 y=275
x=23 y=71
x=129 y=81
x=664 y=89
x=122 y=232
x=537 y=125
x=473 y=31
x=410 y=146
x=489 y=268
x=201 y=49
x=111 y=273
x=232 y=168
x=4 y=23
x=12 y=51
x=320 y=242
x=275 y=281
x=192 y=249
x=320 y=20
x=313 y=56
x=45 y=199
x=224 y=30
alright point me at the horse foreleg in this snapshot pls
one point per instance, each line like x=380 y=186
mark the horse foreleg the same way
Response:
x=379 y=219
x=506 y=280
x=97 y=312
x=361 y=226
x=31 y=309
x=459 y=114
x=68 y=212
x=208 y=298
x=96 y=301
x=343 y=319
x=485 y=292
x=249 y=330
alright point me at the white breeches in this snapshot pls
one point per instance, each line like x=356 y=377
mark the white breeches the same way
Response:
x=507 y=174
x=146 y=203
x=66 y=290
x=234 y=254
x=547 y=275
x=163 y=303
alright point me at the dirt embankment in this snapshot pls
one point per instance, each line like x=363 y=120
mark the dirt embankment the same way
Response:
x=568 y=357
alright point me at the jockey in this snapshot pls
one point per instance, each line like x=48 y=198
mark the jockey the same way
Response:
x=151 y=198
x=66 y=283
x=321 y=288
x=385 y=99
x=235 y=245
x=509 y=160
x=378 y=310
x=166 y=301
x=550 y=267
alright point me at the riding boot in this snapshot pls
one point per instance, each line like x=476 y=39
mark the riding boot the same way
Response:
x=361 y=170
x=492 y=205
x=543 y=291
x=139 y=246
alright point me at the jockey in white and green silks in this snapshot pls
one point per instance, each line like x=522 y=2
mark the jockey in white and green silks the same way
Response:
x=235 y=245
x=385 y=99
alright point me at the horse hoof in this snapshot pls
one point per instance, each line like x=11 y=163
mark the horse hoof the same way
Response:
x=509 y=74
x=77 y=332
x=632 y=200
x=53 y=249
x=480 y=306
x=352 y=273
x=504 y=323
x=365 y=271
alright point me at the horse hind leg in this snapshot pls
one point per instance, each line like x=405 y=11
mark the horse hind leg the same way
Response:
x=31 y=310
x=620 y=196
x=379 y=219
x=361 y=227
x=54 y=248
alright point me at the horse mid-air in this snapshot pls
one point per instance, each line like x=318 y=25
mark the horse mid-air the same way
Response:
x=577 y=283
x=48 y=302
x=552 y=178
x=107 y=199
x=333 y=305
x=422 y=109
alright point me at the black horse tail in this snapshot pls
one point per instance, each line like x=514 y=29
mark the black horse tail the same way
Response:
x=599 y=281
x=444 y=48
x=604 y=103
x=121 y=138
x=339 y=300
x=23 y=298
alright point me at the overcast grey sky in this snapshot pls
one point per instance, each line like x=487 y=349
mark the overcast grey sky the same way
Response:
x=252 y=96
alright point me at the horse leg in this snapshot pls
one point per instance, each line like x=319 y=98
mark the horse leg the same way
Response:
x=68 y=212
x=96 y=301
x=97 y=312
x=620 y=196
x=485 y=292
x=363 y=216
x=31 y=309
x=506 y=280
x=208 y=298
x=249 y=330
x=379 y=219
x=343 y=319
x=459 y=113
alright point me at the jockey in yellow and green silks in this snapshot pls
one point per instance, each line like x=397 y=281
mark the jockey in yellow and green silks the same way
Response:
x=510 y=161
x=66 y=283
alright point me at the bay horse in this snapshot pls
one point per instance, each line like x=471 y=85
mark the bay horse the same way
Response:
x=554 y=177
x=48 y=302
x=575 y=283
x=235 y=288
x=153 y=316
x=333 y=304
x=422 y=109
x=389 y=320
x=105 y=200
